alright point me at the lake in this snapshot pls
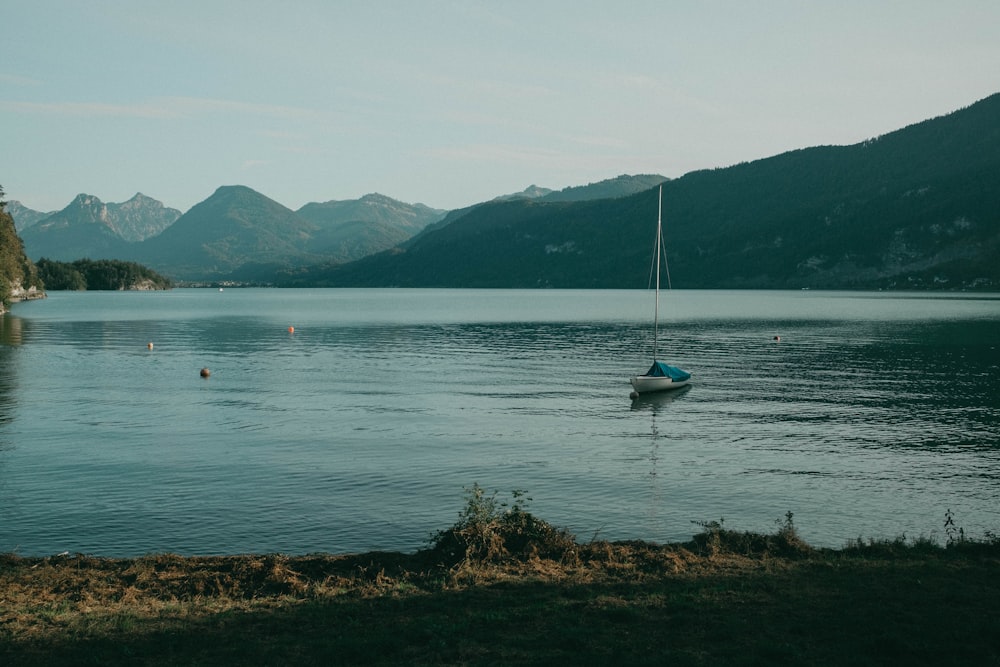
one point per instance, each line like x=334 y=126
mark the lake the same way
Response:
x=360 y=429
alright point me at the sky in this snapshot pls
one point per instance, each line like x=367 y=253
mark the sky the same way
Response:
x=453 y=102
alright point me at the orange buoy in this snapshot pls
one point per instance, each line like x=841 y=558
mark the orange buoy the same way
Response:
x=291 y=329
x=205 y=372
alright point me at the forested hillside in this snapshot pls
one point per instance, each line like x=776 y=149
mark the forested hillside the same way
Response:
x=18 y=277
x=918 y=208
x=101 y=274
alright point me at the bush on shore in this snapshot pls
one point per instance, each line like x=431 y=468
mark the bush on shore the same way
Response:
x=504 y=587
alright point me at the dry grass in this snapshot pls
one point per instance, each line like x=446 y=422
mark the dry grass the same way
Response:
x=496 y=590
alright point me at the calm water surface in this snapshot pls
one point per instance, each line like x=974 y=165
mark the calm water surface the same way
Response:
x=872 y=416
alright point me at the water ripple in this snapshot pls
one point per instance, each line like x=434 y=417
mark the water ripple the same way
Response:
x=360 y=430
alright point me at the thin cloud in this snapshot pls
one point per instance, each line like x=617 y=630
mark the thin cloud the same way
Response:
x=502 y=154
x=90 y=109
x=162 y=108
x=599 y=141
x=200 y=105
x=14 y=80
x=284 y=135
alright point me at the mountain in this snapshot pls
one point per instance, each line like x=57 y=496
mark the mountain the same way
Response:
x=235 y=230
x=236 y=226
x=916 y=208
x=141 y=217
x=612 y=188
x=530 y=192
x=239 y=234
x=350 y=230
x=516 y=243
x=24 y=216
x=82 y=229
x=88 y=227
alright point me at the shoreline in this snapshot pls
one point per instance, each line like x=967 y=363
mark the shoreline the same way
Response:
x=511 y=589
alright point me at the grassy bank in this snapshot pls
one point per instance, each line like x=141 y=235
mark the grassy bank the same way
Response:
x=503 y=587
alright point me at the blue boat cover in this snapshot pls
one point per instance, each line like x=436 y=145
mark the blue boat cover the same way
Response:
x=660 y=369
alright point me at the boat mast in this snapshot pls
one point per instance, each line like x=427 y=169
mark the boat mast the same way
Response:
x=656 y=307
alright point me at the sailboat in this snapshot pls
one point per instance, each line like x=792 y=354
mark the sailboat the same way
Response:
x=660 y=376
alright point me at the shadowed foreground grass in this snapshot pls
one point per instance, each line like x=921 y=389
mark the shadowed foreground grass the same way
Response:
x=502 y=587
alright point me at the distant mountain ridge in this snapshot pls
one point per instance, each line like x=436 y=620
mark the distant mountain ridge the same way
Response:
x=233 y=227
x=352 y=229
x=530 y=192
x=24 y=216
x=612 y=188
x=141 y=217
x=237 y=233
x=918 y=208
x=371 y=207
x=89 y=228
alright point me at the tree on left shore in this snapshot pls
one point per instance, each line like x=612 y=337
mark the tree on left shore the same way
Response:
x=17 y=273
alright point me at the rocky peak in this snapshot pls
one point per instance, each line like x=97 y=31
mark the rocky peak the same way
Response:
x=88 y=227
x=141 y=217
x=24 y=216
x=87 y=208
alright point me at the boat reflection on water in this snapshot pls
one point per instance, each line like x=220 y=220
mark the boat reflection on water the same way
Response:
x=658 y=400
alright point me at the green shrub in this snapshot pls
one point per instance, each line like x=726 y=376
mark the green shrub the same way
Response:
x=491 y=531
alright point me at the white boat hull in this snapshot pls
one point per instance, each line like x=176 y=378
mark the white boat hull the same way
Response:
x=645 y=384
